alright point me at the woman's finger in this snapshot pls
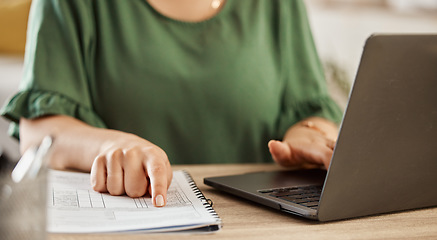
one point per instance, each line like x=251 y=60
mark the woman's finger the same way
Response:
x=280 y=152
x=115 y=176
x=98 y=174
x=135 y=179
x=157 y=171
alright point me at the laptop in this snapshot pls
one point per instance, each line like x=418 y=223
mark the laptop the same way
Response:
x=385 y=158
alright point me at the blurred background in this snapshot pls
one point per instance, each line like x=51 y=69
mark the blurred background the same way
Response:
x=340 y=29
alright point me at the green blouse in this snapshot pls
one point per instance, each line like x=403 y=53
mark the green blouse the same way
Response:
x=209 y=92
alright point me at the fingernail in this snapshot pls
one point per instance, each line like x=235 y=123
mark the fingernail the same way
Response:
x=159 y=200
x=271 y=142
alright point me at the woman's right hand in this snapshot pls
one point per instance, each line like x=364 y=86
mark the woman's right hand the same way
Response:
x=131 y=165
x=120 y=162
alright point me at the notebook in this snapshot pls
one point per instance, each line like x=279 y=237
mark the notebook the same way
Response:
x=73 y=207
x=385 y=158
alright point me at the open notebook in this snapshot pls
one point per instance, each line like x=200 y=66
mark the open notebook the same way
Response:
x=73 y=207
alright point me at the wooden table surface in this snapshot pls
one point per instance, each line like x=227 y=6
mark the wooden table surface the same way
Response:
x=243 y=219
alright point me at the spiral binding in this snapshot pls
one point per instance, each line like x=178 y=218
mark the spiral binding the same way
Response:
x=206 y=202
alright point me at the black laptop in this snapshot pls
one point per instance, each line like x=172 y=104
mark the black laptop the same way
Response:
x=385 y=159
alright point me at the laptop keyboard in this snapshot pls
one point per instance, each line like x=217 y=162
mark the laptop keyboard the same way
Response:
x=307 y=196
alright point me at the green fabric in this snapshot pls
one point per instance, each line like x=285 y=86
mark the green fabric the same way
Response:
x=210 y=92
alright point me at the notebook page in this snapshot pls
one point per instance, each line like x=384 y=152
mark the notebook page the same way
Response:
x=73 y=207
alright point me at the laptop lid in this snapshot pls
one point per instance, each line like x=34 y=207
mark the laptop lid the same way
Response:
x=385 y=158
x=386 y=155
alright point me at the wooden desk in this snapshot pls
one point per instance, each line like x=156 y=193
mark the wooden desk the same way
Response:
x=246 y=220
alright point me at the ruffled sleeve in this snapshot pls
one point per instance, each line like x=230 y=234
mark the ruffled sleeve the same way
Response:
x=305 y=89
x=323 y=107
x=33 y=103
x=58 y=65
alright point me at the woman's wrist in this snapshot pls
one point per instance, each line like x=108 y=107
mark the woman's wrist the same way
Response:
x=310 y=124
x=323 y=126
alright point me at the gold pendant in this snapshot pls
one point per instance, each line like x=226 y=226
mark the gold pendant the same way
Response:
x=216 y=4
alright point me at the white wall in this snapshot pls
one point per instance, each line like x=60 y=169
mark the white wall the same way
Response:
x=340 y=30
x=10 y=75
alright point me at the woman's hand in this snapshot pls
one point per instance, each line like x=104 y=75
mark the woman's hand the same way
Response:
x=120 y=163
x=309 y=141
x=133 y=166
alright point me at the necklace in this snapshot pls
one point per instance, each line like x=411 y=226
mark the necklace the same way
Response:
x=216 y=3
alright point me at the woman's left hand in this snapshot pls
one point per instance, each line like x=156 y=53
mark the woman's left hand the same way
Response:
x=309 y=141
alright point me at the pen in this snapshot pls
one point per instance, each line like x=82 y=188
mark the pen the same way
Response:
x=32 y=161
